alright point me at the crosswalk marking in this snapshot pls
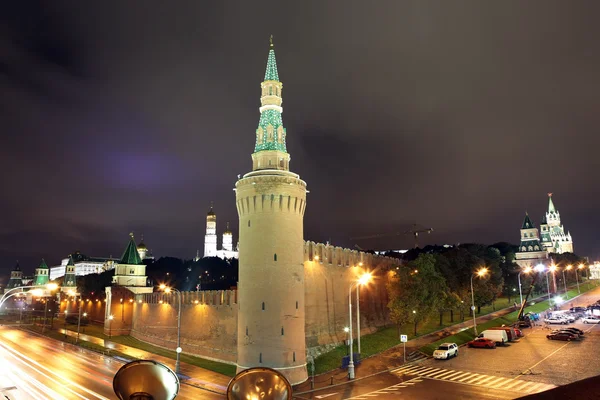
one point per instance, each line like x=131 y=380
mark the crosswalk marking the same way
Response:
x=471 y=378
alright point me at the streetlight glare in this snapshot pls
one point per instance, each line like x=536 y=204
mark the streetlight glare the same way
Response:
x=527 y=270
x=540 y=267
x=581 y=266
x=552 y=268
x=346 y=329
x=365 y=278
x=162 y=286
x=111 y=317
x=52 y=286
x=37 y=292
x=482 y=271
x=569 y=267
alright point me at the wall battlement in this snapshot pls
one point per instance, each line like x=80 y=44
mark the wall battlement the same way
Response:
x=338 y=256
x=204 y=297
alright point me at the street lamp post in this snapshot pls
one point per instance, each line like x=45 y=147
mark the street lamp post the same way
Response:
x=479 y=273
x=110 y=318
x=565 y=283
x=178 y=349
x=364 y=279
x=526 y=270
x=576 y=277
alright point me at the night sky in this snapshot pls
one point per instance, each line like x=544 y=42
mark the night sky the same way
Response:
x=133 y=116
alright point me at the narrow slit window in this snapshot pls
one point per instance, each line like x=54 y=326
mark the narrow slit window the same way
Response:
x=246 y=331
x=248 y=223
x=282 y=331
x=260 y=358
x=296 y=304
x=263 y=306
x=294 y=356
x=274 y=257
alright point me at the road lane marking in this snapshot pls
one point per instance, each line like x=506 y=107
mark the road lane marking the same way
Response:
x=322 y=396
x=515 y=383
x=468 y=378
x=463 y=375
x=381 y=391
x=22 y=358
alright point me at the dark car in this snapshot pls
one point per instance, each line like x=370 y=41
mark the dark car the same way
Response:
x=574 y=330
x=575 y=334
x=566 y=336
x=578 y=309
x=482 y=343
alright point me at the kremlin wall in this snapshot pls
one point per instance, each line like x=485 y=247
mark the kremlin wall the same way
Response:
x=209 y=318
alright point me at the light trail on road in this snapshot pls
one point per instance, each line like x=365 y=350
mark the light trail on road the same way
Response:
x=36 y=367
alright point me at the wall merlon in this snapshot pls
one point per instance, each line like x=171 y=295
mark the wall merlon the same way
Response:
x=338 y=256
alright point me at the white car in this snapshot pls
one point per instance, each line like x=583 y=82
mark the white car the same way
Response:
x=445 y=351
x=590 y=320
x=556 y=320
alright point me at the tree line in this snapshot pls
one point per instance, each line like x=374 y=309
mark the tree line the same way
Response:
x=437 y=279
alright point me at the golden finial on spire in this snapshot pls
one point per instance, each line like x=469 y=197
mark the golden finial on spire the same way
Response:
x=271 y=40
x=131 y=235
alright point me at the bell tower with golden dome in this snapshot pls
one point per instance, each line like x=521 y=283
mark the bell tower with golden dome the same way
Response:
x=271 y=202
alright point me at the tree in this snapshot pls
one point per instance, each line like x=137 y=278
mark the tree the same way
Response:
x=415 y=292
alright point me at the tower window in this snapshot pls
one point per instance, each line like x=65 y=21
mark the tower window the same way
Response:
x=248 y=223
x=274 y=257
x=282 y=331
x=263 y=306
x=296 y=304
x=294 y=356
x=260 y=358
x=246 y=331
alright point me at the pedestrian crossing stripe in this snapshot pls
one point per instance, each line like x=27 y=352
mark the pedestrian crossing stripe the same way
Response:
x=471 y=378
x=386 y=390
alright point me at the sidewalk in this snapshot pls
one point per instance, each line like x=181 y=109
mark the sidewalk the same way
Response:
x=198 y=377
x=394 y=357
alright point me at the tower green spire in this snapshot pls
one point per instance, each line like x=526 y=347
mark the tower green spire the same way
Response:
x=271 y=73
x=270 y=134
x=131 y=255
x=70 y=279
x=551 y=208
x=41 y=274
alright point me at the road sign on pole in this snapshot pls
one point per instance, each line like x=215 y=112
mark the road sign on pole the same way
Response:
x=404 y=339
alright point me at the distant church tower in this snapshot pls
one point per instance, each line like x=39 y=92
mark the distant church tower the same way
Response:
x=70 y=279
x=41 y=277
x=210 y=240
x=227 y=239
x=271 y=202
x=531 y=252
x=16 y=278
x=554 y=238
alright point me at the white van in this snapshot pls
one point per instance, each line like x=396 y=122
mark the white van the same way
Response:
x=498 y=336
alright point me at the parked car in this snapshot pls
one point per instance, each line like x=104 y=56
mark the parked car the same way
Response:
x=556 y=320
x=590 y=320
x=518 y=332
x=561 y=336
x=577 y=309
x=575 y=334
x=482 y=343
x=498 y=336
x=445 y=351
x=574 y=330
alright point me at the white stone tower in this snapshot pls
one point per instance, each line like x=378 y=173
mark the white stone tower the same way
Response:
x=227 y=239
x=210 y=240
x=271 y=202
x=554 y=238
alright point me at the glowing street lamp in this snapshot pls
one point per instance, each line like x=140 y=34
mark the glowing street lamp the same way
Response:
x=363 y=280
x=178 y=350
x=481 y=273
x=526 y=270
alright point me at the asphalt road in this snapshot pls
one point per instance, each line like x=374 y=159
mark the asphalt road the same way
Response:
x=36 y=367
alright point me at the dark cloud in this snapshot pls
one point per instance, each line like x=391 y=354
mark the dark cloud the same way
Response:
x=120 y=117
